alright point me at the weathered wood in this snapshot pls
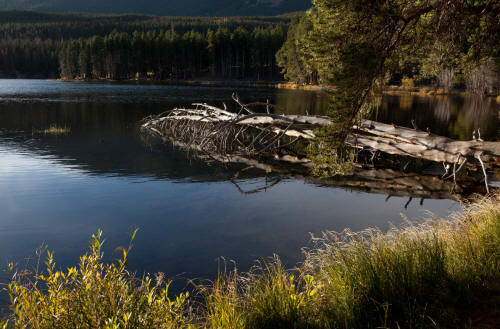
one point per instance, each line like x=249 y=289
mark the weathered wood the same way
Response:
x=420 y=144
x=224 y=136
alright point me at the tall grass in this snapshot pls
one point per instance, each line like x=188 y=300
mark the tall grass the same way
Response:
x=416 y=276
x=267 y=297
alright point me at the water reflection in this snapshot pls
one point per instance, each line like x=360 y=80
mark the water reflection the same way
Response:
x=451 y=116
x=60 y=189
x=105 y=139
x=122 y=150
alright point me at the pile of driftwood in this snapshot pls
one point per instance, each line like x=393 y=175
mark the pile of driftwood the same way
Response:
x=260 y=137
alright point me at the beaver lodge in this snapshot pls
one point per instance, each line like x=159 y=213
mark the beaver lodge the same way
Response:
x=390 y=159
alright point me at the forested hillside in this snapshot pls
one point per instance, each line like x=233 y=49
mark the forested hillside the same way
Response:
x=241 y=54
x=36 y=44
x=165 y=7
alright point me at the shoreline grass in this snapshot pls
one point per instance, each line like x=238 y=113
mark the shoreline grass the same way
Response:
x=439 y=274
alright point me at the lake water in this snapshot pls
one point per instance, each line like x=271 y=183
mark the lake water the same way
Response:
x=58 y=190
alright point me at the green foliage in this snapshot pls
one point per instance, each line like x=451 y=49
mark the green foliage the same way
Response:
x=348 y=44
x=441 y=56
x=386 y=279
x=292 y=56
x=473 y=260
x=355 y=46
x=278 y=300
x=267 y=297
x=223 y=307
x=352 y=43
x=119 y=47
x=328 y=157
x=93 y=295
x=167 y=55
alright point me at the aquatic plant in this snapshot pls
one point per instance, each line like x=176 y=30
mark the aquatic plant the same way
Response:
x=56 y=130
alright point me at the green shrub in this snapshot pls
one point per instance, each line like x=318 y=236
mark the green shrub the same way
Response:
x=93 y=295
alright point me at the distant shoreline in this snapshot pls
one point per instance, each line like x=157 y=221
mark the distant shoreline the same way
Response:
x=391 y=90
x=207 y=83
x=202 y=83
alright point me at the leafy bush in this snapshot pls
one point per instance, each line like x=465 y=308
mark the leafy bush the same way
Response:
x=93 y=295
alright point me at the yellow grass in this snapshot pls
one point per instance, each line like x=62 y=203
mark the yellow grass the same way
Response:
x=56 y=130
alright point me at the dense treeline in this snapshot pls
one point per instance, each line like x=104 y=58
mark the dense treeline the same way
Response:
x=24 y=25
x=34 y=58
x=32 y=45
x=172 y=8
x=240 y=54
x=464 y=52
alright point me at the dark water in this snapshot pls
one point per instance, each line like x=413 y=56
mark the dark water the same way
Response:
x=58 y=190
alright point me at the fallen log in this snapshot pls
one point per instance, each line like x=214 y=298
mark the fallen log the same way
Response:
x=405 y=141
x=221 y=135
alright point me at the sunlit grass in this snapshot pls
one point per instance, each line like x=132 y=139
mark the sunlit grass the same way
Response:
x=410 y=277
x=290 y=85
x=56 y=130
x=415 y=276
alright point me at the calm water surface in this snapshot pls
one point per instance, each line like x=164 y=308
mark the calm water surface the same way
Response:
x=58 y=190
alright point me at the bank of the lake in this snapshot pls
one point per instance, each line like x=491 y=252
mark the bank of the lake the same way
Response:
x=443 y=273
x=393 y=90
x=235 y=83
